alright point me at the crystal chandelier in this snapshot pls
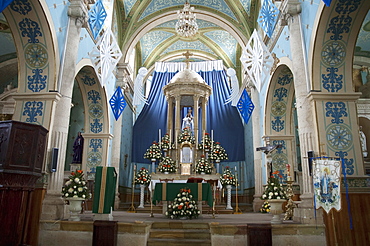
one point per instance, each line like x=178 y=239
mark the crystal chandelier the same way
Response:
x=186 y=25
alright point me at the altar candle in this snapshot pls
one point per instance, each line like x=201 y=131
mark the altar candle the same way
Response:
x=204 y=137
x=288 y=167
x=170 y=136
x=159 y=137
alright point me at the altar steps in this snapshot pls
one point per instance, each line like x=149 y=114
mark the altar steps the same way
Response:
x=179 y=234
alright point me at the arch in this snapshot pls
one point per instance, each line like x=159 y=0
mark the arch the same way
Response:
x=333 y=94
x=279 y=122
x=96 y=117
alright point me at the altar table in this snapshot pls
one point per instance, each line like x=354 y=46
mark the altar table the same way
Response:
x=168 y=192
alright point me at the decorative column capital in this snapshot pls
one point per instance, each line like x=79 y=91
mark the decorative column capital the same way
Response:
x=289 y=9
x=78 y=10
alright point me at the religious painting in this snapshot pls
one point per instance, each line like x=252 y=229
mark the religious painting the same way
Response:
x=326 y=180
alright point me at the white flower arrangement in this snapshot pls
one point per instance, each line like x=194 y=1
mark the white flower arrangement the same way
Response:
x=273 y=190
x=218 y=152
x=227 y=178
x=75 y=186
x=186 y=136
x=203 y=166
x=167 y=165
x=183 y=206
x=154 y=152
x=143 y=176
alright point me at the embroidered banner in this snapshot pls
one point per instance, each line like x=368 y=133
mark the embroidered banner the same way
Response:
x=326 y=179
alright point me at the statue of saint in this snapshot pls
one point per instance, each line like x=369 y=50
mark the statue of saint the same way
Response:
x=187 y=121
x=78 y=146
x=363 y=142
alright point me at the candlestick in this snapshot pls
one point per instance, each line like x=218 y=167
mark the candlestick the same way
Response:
x=159 y=137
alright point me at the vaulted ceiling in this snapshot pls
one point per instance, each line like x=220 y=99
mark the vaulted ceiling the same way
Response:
x=149 y=26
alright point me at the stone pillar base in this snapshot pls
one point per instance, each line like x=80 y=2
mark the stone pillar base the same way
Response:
x=257 y=203
x=53 y=208
x=307 y=216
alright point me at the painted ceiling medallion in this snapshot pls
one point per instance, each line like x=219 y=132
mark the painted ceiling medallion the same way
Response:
x=186 y=25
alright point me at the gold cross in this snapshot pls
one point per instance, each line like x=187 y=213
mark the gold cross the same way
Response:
x=187 y=54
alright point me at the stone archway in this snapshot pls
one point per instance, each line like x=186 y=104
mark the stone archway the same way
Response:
x=279 y=120
x=332 y=93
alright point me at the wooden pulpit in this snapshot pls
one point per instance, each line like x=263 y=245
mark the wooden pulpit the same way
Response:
x=22 y=149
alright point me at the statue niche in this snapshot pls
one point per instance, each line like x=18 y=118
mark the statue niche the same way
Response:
x=186 y=157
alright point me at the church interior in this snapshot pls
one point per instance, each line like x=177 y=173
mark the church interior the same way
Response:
x=206 y=122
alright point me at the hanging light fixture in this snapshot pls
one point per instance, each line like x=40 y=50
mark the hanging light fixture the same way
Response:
x=186 y=25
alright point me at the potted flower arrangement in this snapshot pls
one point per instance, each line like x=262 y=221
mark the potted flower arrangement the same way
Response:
x=275 y=194
x=274 y=190
x=202 y=166
x=142 y=178
x=186 y=136
x=167 y=165
x=265 y=207
x=166 y=142
x=154 y=152
x=183 y=206
x=218 y=153
x=206 y=143
x=227 y=180
x=75 y=192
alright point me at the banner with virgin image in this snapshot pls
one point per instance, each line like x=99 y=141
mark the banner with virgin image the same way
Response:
x=326 y=181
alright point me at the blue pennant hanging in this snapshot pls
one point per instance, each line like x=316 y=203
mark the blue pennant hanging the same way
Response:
x=97 y=16
x=327 y=2
x=267 y=17
x=117 y=103
x=245 y=106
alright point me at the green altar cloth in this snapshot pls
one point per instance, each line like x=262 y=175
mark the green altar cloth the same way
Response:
x=168 y=191
x=104 y=190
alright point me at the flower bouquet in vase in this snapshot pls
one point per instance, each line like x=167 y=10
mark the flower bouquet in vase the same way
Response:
x=206 y=143
x=154 y=152
x=142 y=178
x=186 y=136
x=218 y=153
x=183 y=206
x=202 y=166
x=275 y=194
x=166 y=143
x=75 y=192
x=228 y=180
x=167 y=165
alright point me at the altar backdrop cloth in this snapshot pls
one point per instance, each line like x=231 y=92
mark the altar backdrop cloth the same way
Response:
x=104 y=190
x=223 y=119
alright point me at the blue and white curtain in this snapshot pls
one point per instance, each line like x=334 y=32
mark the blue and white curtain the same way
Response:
x=223 y=119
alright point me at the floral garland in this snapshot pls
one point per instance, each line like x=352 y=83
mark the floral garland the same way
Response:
x=166 y=142
x=274 y=190
x=154 y=152
x=206 y=143
x=183 y=206
x=265 y=207
x=203 y=166
x=227 y=178
x=218 y=152
x=167 y=165
x=186 y=136
x=76 y=186
x=143 y=176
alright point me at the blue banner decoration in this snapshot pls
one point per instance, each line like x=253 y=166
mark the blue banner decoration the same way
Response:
x=117 y=103
x=245 y=106
x=97 y=16
x=267 y=17
x=327 y=2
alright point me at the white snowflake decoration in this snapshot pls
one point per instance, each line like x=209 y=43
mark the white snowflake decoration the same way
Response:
x=105 y=56
x=256 y=59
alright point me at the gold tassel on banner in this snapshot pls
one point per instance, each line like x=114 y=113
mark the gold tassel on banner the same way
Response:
x=132 y=207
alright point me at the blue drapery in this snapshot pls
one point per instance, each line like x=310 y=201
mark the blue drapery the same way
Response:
x=223 y=119
x=4 y=4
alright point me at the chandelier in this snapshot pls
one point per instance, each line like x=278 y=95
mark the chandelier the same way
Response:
x=186 y=25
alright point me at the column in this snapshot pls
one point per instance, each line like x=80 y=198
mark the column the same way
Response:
x=53 y=206
x=292 y=10
x=177 y=118
x=204 y=113
x=170 y=117
x=196 y=117
x=123 y=80
x=257 y=142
